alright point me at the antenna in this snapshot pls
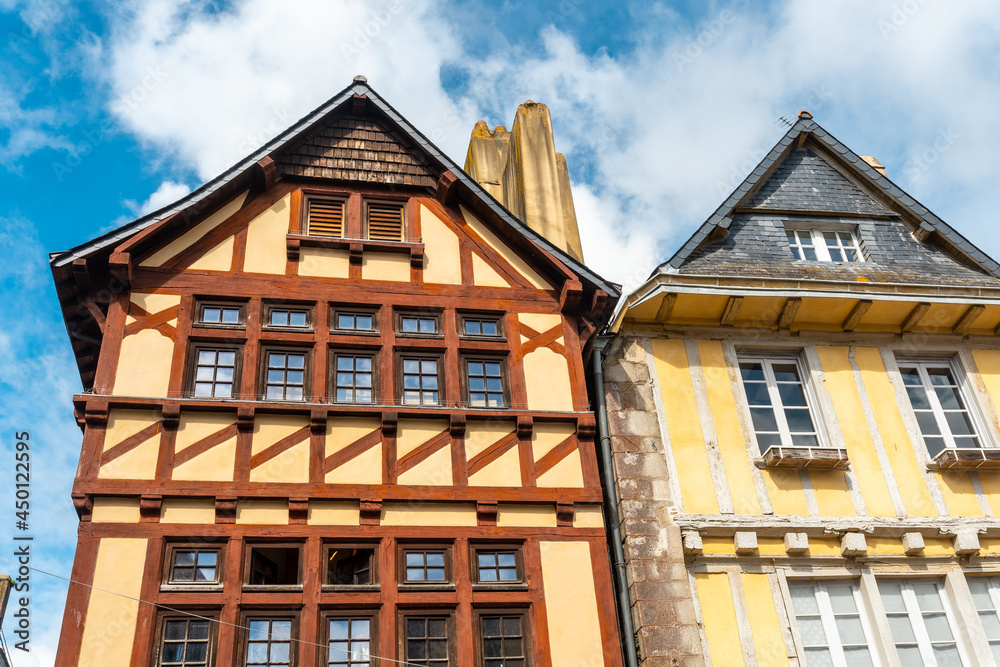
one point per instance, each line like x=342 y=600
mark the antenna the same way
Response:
x=784 y=119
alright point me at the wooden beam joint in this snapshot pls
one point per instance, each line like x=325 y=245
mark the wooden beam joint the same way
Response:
x=371 y=512
x=911 y=321
x=149 y=508
x=447 y=188
x=84 y=505
x=788 y=312
x=244 y=419
x=298 y=511
x=731 y=310
x=570 y=296
x=565 y=512
x=486 y=512
x=968 y=318
x=120 y=267
x=859 y=310
x=225 y=510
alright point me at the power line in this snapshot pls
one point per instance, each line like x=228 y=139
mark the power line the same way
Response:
x=203 y=618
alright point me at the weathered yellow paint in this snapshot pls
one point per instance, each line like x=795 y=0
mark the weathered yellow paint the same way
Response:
x=218 y=464
x=144 y=365
x=435 y=470
x=771 y=546
x=512 y=258
x=140 y=463
x=442 y=263
x=546 y=380
x=713 y=545
x=833 y=495
x=958 y=493
x=266 y=247
x=588 y=516
x=728 y=432
x=526 y=516
x=768 y=641
x=153 y=303
x=990 y=480
x=195 y=426
x=192 y=236
x=699 y=309
x=823 y=314
x=262 y=512
x=568 y=473
x=941 y=317
x=719 y=616
x=686 y=440
x=219 y=258
x=187 y=510
x=385 y=266
x=506 y=470
x=938 y=546
x=838 y=377
x=484 y=275
x=571 y=604
x=113 y=608
x=546 y=435
x=428 y=514
x=784 y=490
x=334 y=513
x=759 y=311
x=412 y=433
x=324 y=263
x=989 y=545
x=292 y=465
x=824 y=546
x=988 y=364
x=540 y=322
x=115 y=510
x=898 y=446
x=366 y=468
x=884 y=546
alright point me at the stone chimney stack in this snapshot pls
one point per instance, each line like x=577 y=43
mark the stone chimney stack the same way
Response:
x=522 y=170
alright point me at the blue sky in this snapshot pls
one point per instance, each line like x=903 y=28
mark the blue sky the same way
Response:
x=111 y=109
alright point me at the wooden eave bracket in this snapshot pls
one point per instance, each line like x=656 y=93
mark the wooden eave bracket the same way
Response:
x=371 y=511
x=359 y=104
x=457 y=425
x=81 y=276
x=356 y=252
x=225 y=509
x=417 y=256
x=120 y=267
x=265 y=173
x=149 y=508
x=586 y=427
x=968 y=318
x=293 y=248
x=525 y=425
x=96 y=412
x=298 y=511
x=570 y=296
x=244 y=419
x=317 y=420
x=171 y=415
x=565 y=512
x=446 y=188
x=390 y=422
x=84 y=505
x=486 y=513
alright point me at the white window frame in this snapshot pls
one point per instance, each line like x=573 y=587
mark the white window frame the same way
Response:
x=916 y=619
x=964 y=390
x=817 y=241
x=993 y=590
x=812 y=401
x=828 y=619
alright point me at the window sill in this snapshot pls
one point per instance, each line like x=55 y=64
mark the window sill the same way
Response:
x=355 y=247
x=423 y=588
x=256 y=588
x=967 y=458
x=804 y=457
x=512 y=587
x=347 y=588
x=190 y=588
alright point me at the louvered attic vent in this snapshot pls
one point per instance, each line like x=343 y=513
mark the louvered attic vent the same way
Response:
x=385 y=222
x=326 y=218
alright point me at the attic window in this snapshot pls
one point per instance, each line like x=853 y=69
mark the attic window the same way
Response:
x=815 y=245
x=384 y=221
x=325 y=218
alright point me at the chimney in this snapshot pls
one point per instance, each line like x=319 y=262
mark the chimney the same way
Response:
x=873 y=161
x=522 y=170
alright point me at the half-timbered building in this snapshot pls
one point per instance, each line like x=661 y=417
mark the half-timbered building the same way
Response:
x=336 y=414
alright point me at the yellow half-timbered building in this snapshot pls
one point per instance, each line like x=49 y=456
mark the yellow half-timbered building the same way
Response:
x=804 y=409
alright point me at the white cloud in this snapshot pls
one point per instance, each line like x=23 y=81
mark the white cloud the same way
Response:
x=166 y=194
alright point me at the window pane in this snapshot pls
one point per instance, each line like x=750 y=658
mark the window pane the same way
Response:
x=858 y=656
x=763 y=419
x=811 y=631
x=902 y=631
x=947 y=656
x=841 y=598
x=850 y=630
x=909 y=655
x=818 y=657
x=803 y=599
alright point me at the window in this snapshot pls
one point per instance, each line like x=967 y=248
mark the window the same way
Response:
x=350 y=566
x=486 y=327
x=502 y=640
x=921 y=623
x=986 y=593
x=779 y=402
x=284 y=375
x=214 y=314
x=348 y=642
x=939 y=404
x=324 y=217
x=354 y=321
x=288 y=318
x=273 y=566
x=484 y=383
x=497 y=566
x=813 y=245
x=427 y=640
x=425 y=566
x=353 y=378
x=269 y=642
x=384 y=221
x=215 y=372
x=192 y=565
x=421 y=381
x=419 y=324
x=831 y=628
x=185 y=642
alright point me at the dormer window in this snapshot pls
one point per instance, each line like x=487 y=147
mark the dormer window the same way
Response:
x=815 y=245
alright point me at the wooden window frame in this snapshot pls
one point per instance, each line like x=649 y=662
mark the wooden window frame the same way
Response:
x=272 y=307
x=433 y=315
x=481 y=317
x=403 y=219
x=406 y=355
x=167 y=583
x=199 y=311
x=447 y=549
x=192 y=369
x=248 y=564
x=516 y=548
x=163 y=616
x=374 y=568
x=447 y=614
x=522 y=612
x=376 y=375
x=265 y=352
x=269 y=614
x=464 y=360
x=371 y=615
x=344 y=201
x=336 y=311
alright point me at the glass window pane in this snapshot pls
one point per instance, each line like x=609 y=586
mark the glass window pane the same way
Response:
x=902 y=631
x=938 y=628
x=799 y=421
x=947 y=655
x=892 y=596
x=850 y=630
x=841 y=598
x=858 y=656
x=792 y=395
x=811 y=631
x=928 y=598
x=757 y=393
x=909 y=655
x=818 y=657
x=753 y=372
x=803 y=599
x=763 y=419
x=981 y=593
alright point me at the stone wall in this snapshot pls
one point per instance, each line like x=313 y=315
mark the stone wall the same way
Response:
x=662 y=604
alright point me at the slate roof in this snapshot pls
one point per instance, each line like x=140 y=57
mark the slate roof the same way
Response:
x=793 y=181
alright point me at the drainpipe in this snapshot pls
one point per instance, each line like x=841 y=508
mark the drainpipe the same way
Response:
x=611 y=508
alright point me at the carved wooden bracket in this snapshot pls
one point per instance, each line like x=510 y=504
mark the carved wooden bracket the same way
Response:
x=96 y=413
x=417 y=256
x=225 y=510
x=298 y=511
x=525 y=425
x=84 y=505
x=458 y=425
x=586 y=427
x=244 y=419
x=149 y=509
x=120 y=267
x=446 y=188
x=171 y=415
x=356 y=252
x=371 y=512
x=293 y=247
x=486 y=513
x=570 y=297
x=389 y=424
x=265 y=172
x=317 y=421
x=564 y=515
